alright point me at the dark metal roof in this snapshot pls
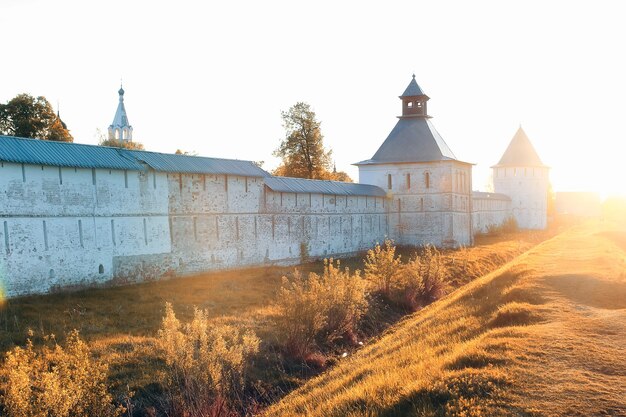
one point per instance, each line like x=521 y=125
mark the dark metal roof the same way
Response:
x=490 y=196
x=520 y=153
x=166 y=162
x=301 y=185
x=44 y=152
x=413 y=89
x=412 y=140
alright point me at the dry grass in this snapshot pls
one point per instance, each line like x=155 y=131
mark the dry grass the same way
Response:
x=544 y=335
x=120 y=324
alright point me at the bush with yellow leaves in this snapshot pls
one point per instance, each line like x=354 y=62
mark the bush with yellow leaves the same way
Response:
x=56 y=381
x=422 y=280
x=320 y=309
x=206 y=364
x=382 y=267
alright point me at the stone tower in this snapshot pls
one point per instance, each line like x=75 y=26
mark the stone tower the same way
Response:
x=522 y=176
x=429 y=188
x=120 y=129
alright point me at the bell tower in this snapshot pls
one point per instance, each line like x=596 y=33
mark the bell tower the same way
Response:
x=120 y=129
x=414 y=101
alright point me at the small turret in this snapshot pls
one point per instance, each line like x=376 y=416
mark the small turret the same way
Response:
x=120 y=129
x=414 y=101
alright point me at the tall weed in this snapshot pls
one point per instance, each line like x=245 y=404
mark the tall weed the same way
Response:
x=206 y=364
x=56 y=381
x=320 y=309
x=423 y=279
x=382 y=266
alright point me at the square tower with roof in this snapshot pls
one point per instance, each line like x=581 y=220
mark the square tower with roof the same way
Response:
x=429 y=189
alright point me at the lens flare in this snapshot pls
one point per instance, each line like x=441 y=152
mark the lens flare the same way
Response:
x=2 y=283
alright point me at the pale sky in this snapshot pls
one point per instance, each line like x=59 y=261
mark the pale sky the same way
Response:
x=213 y=77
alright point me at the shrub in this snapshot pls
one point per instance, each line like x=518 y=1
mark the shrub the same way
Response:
x=382 y=266
x=508 y=226
x=320 y=309
x=56 y=381
x=206 y=364
x=423 y=279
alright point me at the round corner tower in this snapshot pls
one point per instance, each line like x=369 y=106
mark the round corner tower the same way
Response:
x=522 y=176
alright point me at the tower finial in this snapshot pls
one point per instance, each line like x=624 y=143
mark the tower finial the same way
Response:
x=413 y=75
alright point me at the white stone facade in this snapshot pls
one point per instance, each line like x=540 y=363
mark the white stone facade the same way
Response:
x=528 y=189
x=430 y=201
x=66 y=227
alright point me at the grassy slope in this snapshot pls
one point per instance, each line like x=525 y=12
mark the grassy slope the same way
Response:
x=120 y=323
x=543 y=335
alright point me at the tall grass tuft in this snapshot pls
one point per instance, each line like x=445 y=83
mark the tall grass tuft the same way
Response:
x=382 y=266
x=206 y=365
x=320 y=309
x=56 y=381
x=422 y=279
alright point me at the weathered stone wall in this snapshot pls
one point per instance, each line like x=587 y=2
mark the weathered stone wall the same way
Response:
x=489 y=211
x=63 y=227
x=230 y=221
x=74 y=227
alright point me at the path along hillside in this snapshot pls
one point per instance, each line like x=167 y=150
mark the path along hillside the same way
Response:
x=544 y=335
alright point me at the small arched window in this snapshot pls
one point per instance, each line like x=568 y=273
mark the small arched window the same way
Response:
x=409 y=104
x=427 y=179
x=101 y=269
x=389 y=184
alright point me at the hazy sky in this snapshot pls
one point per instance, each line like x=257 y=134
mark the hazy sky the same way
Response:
x=213 y=77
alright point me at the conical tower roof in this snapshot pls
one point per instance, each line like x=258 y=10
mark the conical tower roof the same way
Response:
x=520 y=153
x=413 y=89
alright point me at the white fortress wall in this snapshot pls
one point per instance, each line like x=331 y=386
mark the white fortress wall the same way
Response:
x=489 y=210
x=62 y=227
x=217 y=226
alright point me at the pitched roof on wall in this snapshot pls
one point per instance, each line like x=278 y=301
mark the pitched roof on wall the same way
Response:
x=64 y=154
x=301 y=185
x=412 y=140
x=167 y=162
x=43 y=152
x=520 y=152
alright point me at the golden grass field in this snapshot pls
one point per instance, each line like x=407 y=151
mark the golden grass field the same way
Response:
x=544 y=335
x=121 y=323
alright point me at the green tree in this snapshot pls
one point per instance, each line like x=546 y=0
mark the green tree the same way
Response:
x=29 y=117
x=302 y=150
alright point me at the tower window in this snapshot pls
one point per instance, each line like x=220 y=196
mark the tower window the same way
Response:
x=427 y=179
x=408 y=181
x=389 y=181
x=419 y=104
x=409 y=104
